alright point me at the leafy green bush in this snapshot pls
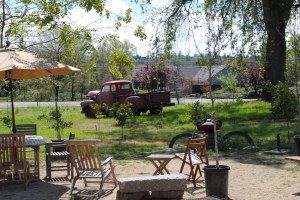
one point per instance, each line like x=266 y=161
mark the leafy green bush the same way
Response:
x=101 y=110
x=55 y=121
x=197 y=112
x=121 y=112
x=284 y=105
x=7 y=121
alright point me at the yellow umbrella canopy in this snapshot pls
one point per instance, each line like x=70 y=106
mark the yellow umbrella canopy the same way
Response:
x=17 y=64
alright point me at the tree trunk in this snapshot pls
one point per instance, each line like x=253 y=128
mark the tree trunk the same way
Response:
x=2 y=23
x=81 y=92
x=276 y=16
x=72 y=90
x=56 y=90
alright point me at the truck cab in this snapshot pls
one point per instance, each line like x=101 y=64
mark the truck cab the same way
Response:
x=107 y=95
x=111 y=90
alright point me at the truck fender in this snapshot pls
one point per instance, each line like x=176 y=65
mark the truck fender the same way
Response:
x=137 y=101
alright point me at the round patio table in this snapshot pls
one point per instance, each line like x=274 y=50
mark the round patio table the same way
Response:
x=35 y=141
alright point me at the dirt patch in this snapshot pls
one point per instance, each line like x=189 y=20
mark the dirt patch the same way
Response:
x=254 y=176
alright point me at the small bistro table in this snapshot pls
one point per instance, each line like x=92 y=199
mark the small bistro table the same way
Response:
x=35 y=141
x=293 y=158
x=160 y=161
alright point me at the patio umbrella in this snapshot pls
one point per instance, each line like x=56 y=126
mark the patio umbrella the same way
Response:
x=17 y=64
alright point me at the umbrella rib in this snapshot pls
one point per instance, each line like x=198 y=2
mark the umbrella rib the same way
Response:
x=7 y=74
x=48 y=71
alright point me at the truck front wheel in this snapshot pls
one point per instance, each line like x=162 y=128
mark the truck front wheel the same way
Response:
x=88 y=112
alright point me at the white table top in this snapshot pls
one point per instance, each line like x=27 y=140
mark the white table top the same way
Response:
x=160 y=157
x=34 y=140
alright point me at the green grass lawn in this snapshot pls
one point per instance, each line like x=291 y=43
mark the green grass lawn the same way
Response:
x=148 y=134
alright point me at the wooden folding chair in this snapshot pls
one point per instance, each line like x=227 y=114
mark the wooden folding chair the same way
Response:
x=195 y=154
x=88 y=165
x=13 y=164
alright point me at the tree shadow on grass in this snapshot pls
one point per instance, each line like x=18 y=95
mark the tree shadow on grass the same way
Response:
x=257 y=158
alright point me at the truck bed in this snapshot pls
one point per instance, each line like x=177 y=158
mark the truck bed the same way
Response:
x=152 y=98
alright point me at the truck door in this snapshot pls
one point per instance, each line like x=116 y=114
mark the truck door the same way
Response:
x=108 y=95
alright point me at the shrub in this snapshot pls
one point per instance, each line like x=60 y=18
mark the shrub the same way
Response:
x=121 y=112
x=197 y=112
x=284 y=105
x=56 y=121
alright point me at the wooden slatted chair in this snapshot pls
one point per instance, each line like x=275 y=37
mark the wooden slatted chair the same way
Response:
x=58 y=151
x=27 y=129
x=195 y=154
x=88 y=165
x=13 y=159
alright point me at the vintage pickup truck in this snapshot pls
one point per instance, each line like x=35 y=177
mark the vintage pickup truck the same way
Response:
x=122 y=91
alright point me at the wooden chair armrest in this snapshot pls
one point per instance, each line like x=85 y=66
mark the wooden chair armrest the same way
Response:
x=107 y=160
x=55 y=144
x=49 y=147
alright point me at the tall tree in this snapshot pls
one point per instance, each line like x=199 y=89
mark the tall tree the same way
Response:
x=114 y=59
x=152 y=77
x=251 y=20
x=19 y=17
x=68 y=46
x=276 y=17
x=293 y=55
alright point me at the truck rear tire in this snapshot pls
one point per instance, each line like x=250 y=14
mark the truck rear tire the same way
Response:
x=135 y=110
x=88 y=112
x=154 y=111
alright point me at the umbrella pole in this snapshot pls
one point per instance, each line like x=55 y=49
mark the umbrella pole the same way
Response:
x=12 y=106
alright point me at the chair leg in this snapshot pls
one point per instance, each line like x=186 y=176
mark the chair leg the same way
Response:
x=68 y=166
x=182 y=166
x=100 y=187
x=72 y=169
x=200 y=173
x=26 y=174
x=85 y=183
x=73 y=184
x=113 y=173
x=48 y=167
x=193 y=176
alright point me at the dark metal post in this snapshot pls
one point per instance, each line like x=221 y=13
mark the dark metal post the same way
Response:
x=278 y=143
x=12 y=106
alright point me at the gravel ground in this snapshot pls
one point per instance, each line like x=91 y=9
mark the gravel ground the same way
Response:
x=251 y=177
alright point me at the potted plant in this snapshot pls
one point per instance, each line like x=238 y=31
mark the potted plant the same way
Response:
x=216 y=176
x=55 y=121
